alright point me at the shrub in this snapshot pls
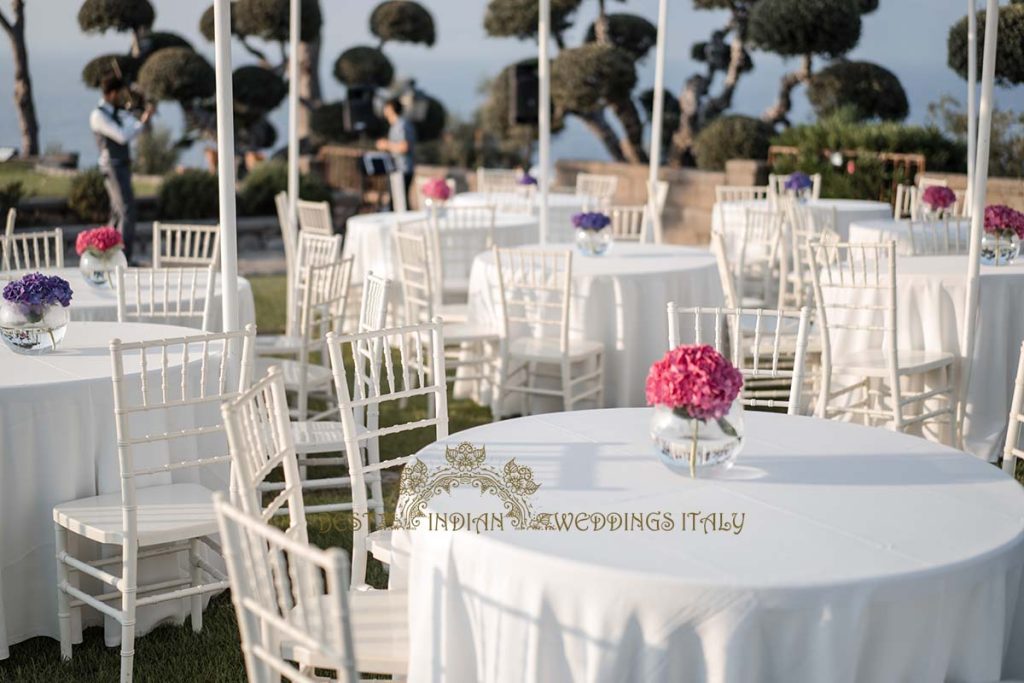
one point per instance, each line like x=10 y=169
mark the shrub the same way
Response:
x=869 y=90
x=10 y=194
x=256 y=197
x=155 y=152
x=731 y=137
x=88 y=196
x=189 y=195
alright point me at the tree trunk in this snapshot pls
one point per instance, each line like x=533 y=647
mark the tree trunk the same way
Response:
x=601 y=25
x=779 y=112
x=633 y=142
x=15 y=30
x=689 y=120
x=309 y=83
x=598 y=125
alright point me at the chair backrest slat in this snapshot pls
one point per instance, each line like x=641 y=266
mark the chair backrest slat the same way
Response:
x=38 y=250
x=535 y=288
x=170 y=296
x=496 y=180
x=188 y=246
x=597 y=188
x=315 y=217
x=629 y=223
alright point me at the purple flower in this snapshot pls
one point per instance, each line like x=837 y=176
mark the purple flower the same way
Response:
x=938 y=197
x=527 y=179
x=798 y=181
x=37 y=290
x=590 y=220
x=1001 y=220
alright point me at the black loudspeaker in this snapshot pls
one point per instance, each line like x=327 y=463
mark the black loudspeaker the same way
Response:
x=358 y=111
x=524 y=95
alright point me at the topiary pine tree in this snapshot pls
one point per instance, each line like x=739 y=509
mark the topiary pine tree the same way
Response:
x=122 y=16
x=866 y=90
x=403 y=21
x=1009 y=48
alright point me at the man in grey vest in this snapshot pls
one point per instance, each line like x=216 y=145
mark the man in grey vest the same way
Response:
x=400 y=142
x=115 y=128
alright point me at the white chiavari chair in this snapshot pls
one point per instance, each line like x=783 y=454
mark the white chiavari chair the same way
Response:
x=597 y=188
x=1012 y=446
x=945 y=236
x=924 y=182
x=379 y=379
x=289 y=238
x=458 y=234
x=38 y=250
x=855 y=295
x=315 y=217
x=313 y=249
x=807 y=224
x=396 y=186
x=169 y=296
x=260 y=444
x=777 y=185
x=740 y=193
x=629 y=223
x=522 y=202
x=165 y=505
x=188 y=246
x=768 y=347
x=535 y=290
x=12 y=216
x=906 y=202
x=756 y=268
x=496 y=180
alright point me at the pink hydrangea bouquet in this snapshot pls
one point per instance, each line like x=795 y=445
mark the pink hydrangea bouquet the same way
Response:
x=1003 y=221
x=938 y=198
x=98 y=241
x=436 y=189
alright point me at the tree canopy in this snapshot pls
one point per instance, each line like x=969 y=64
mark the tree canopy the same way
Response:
x=585 y=78
x=158 y=40
x=100 y=16
x=628 y=32
x=518 y=18
x=268 y=19
x=364 y=65
x=257 y=90
x=869 y=90
x=403 y=21
x=731 y=137
x=806 y=27
x=100 y=67
x=1009 y=48
x=177 y=74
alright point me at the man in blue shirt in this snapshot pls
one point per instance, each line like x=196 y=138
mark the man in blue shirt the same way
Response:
x=400 y=142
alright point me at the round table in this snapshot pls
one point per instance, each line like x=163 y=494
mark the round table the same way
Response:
x=57 y=443
x=864 y=555
x=728 y=217
x=885 y=229
x=561 y=207
x=618 y=299
x=368 y=238
x=100 y=303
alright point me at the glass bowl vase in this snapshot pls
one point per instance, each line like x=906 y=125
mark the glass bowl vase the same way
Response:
x=999 y=249
x=697 y=447
x=33 y=329
x=593 y=242
x=98 y=268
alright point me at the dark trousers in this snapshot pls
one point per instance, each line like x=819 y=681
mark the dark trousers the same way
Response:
x=407 y=177
x=118 y=182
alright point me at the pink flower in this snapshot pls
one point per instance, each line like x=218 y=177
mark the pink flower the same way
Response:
x=98 y=240
x=1001 y=219
x=436 y=188
x=696 y=380
x=938 y=197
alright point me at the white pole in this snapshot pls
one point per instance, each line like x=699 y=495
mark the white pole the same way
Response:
x=988 y=71
x=544 y=111
x=657 y=118
x=294 y=29
x=972 y=95
x=226 y=165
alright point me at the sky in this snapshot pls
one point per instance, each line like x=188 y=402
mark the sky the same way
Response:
x=906 y=36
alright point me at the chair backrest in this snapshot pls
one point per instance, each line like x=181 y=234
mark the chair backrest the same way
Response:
x=945 y=236
x=290 y=240
x=458 y=234
x=535 y=288
x=777 y=184
x=378 y=379
x=855 y=296
x=660 y=195
x=396 y=186
x=286 y=591
x=767 y=347
x=906 y=202
x=496 y=180
x=414 y=273
x=629 y=223
x=12 y=216
x=740 y=193
x=924 y=182
x=36 y=250
x=182 y=245
x=182 y=380
x=807 y=224
x=597 y=186
x=758 y=253
x=726 y=273
x=522 y=201
x=170 y=296
x=315 y=217
x=1012 y=447
x=313 y=249
x=373 y=309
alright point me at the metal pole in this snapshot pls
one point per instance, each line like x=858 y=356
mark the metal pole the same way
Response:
x=544 y=111
x=657 y=118
x=226 y=165
x=972 y=95
x=988 y=71
x=294 y=31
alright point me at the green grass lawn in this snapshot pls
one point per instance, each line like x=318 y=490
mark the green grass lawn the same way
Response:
x=175 y=653
x=36 y=184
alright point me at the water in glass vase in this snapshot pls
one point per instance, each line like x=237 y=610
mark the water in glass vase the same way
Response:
x=705 y=447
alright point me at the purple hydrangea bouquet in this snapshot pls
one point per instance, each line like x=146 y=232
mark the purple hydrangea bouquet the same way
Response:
x=938 y=199
x=798 y=184
x=1004 y=229
x=34 y=313
x=593 y=238
x=526 y=179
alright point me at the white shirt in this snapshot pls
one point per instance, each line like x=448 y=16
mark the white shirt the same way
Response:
x=102 y=122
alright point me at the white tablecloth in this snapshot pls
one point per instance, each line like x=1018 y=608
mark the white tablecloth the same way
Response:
x=865 y=556
x=618 y=299
x=561 y=207
x=368 y=238
x=100 y=303
x=884 y=230
x=728 y=217
x=57 y=443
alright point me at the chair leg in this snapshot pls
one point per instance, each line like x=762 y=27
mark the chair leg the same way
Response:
x=496 y=390
x=600 y=381
x=63 y=601
x=196 y=574
x=566 y=384
x=129 y=573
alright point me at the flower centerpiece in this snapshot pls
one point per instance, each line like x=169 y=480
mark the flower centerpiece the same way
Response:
x=697 y=420
x=798 y=184
x=593 y=234
x=1004 y=228
x=435 y=192
x=34 y=313
x=101 y=251
x=527 y=180
x=937 y=201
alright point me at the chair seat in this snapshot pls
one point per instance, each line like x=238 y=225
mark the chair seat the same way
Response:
x=320 y=436
x=875 y=363
x=456 y=333
x=548 y=350
x=174 y=512
x=291 y=371
x=380 y=631
x=278 y=345
x=379 y=544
